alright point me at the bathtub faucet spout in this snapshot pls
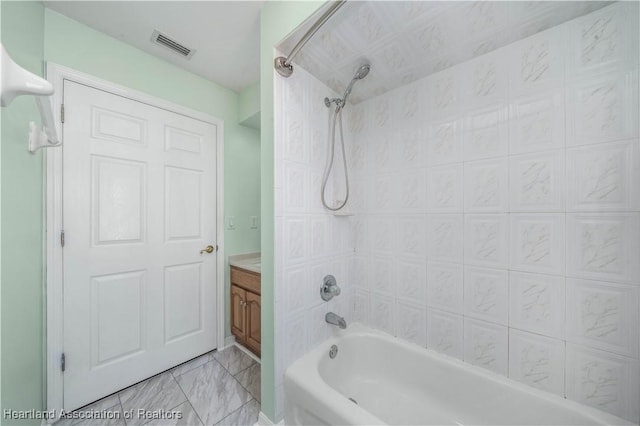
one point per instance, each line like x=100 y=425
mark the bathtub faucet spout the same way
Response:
x=334 y=319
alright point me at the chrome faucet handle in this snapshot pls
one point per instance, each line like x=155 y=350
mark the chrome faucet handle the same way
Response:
x=329 y=288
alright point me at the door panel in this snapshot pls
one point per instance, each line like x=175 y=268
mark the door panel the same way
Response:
x=183 y=204
x=118 y=192
x=253 y=322
x=183 y=301
x=238 y=327
x=139 y=203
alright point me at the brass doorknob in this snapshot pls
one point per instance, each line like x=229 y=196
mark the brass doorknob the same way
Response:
x=208 y=249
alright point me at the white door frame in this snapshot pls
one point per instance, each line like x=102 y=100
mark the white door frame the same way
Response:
x=57 y=74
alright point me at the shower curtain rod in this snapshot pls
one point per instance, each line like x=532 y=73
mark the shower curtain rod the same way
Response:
x=282 y=64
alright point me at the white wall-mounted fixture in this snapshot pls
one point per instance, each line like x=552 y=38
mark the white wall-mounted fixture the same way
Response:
x=16 y=81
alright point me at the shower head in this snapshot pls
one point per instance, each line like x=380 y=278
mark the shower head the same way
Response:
x=359 y=75
x=362 y=72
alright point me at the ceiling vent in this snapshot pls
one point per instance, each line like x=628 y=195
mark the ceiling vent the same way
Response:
x=164 y=40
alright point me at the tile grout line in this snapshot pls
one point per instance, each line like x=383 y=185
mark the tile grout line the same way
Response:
x=235 y=411
x=248 y=391
x=188 y=400
x=243 y=370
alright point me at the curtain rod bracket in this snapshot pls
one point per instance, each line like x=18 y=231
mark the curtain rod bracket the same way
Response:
x=282 y=64
x=283 y=68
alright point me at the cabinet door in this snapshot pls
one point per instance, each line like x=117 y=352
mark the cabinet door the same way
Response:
x=238 y=317
x=253 y=322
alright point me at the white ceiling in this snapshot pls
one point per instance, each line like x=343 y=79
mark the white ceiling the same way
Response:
x=408 y=40
x=225 y=34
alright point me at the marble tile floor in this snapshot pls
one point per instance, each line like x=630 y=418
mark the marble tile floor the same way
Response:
x=217 y=388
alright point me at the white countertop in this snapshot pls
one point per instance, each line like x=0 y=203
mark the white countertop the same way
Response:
x=249 y=261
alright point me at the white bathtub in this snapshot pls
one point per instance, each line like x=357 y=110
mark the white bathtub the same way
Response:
x=399 y=383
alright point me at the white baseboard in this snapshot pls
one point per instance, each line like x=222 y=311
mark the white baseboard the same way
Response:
x=229 y=340
x=248 y=352
x=263 y=420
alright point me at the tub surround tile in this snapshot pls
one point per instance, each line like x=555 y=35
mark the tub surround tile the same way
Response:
x=537 y=182
x=294 y=185
x=245 y=415
x=604 y=40
x=412 y=281
x=603 y=315
x=317 y=326
x=537 y=62
x=486 y=133
x=602 y=108
x=213 y=392
x=604 y=246
x=295 y=280
x=445 y=333
x=445 y=287
x=411 y=322
x=233 y=359
x=486 y=242
x=485 y=345
x=537 y=122
x=412 y=196
x=383 y=315
x=538 y=243
x=537 y=361
x=603 y=177
x=486 y=186
x=250 y=380
x=485 y=79
x=295 y=337
x=411 y=238
x=320 y=237
x=445 y=238
x=444 y=189
x=361 y=306
x=537 y=303
x=603 y=380
x=383 y=275
x=158 y=393
x=295 y=238
x=382 y=235
x=485 y=294
x=444 y=145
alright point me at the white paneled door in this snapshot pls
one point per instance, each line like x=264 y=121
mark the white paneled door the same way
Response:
x=139 y=206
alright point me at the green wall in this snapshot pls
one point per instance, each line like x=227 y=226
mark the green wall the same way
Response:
x=22 y=221
x=277 y=19
x=249 y=106
x=32 y=34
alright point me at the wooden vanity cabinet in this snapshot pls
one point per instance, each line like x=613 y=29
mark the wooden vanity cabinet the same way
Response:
x=253 y=322
x=245 y=308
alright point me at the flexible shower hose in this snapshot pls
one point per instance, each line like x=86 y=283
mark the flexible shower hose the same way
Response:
x=337 y=116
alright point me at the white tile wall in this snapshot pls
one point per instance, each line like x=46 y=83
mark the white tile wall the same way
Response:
x=309 y=242
x=497 y=210
x=524 y=233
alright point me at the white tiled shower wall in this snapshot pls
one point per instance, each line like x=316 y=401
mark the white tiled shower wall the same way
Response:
x=310 y=242
x=497 y=212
